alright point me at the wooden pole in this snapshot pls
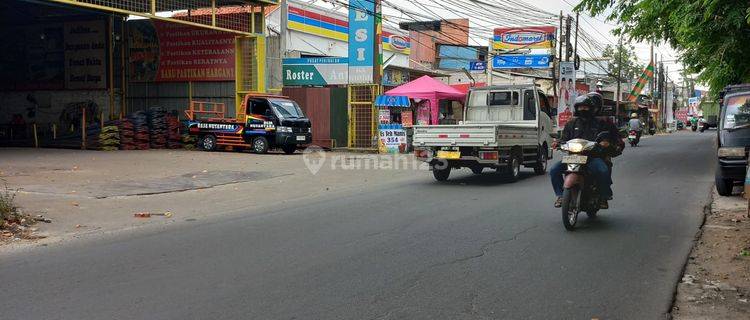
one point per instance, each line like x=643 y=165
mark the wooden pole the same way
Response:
x=54 y=131
x=36 y=139
x=83 y=128
x=101 y=121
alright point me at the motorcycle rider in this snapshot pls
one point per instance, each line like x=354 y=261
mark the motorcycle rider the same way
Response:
x=585 y=125
x=636 y=125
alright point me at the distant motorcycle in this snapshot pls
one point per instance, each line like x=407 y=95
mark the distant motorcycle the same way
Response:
x=580 y=193
x=633 y=138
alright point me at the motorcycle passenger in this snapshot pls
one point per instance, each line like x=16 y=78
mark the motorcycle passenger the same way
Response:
x=584 y=125
x=636 y=125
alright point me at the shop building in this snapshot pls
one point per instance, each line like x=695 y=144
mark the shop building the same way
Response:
x=78 y=63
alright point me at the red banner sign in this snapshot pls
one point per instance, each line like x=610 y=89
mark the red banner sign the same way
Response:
x=170 y=52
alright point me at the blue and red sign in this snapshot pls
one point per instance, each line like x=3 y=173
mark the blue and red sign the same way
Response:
x=520 y=61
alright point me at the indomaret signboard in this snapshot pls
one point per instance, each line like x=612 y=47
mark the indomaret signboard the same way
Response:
x=364 y=42
x=523 y=38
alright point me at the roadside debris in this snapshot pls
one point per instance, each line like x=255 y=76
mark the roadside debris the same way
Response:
x=41 y=218
x=146 y=214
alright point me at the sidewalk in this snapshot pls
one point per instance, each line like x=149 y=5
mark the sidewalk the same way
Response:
x=716 y=281
x=94 y=191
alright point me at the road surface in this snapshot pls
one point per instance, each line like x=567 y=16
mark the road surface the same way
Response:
x=470 y=248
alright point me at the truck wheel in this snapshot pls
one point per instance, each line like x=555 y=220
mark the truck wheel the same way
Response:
x=513 y=170
x=289 y=149
x=260 y=145
x=208 y=142
x=541 y=163
x=477 y=170
x=724 y=186
x=441 y=174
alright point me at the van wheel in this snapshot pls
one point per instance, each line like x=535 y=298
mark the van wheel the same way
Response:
x=513 y=170
x=441 y=174
x=260 y=145
x=724 y=186
x=289 y=149
x=540 y=167
x=208 y=142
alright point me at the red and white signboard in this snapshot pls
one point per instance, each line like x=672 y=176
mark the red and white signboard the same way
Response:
x=170 y=52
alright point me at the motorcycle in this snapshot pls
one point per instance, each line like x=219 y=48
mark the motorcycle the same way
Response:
x=580 y=194
x=633 y=138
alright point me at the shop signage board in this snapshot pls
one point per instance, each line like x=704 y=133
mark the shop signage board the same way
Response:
x=477 y=66
x=567 y=93
x=333 y=28
x=524 y=38
x=362 y=45
x=516 y=61
x=170 y=52
x=395 y=77
x=85 y=54
x=392 y=138
x=315 y=71
x=384 y=115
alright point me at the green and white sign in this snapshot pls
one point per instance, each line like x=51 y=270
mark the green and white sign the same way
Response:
x=315 y=71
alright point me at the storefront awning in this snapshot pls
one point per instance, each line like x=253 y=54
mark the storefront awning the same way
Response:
x=392 y=101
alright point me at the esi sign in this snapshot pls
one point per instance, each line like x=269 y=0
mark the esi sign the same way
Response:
x=315 y=71
x=523 y=38
x=362 y=43
x=520 y=61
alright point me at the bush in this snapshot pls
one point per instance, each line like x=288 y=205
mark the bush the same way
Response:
x=8 y=209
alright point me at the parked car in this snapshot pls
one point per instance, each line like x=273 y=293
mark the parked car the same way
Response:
x=733 y=138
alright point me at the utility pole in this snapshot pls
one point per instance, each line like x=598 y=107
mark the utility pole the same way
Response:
x=568 y=22
x=575 y=48
x=618 y=94
x=651 y=60
x=283 y=31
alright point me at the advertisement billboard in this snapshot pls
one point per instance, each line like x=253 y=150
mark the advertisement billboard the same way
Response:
x=567 y=93
x=170 y=52
x=524 y=38
x=85 y=54
x=315 y=71
x=515 y=61
x=362 y=45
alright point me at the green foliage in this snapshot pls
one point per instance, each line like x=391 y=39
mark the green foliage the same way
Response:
x=631 y=69
x=710 y=35
x=8 y=209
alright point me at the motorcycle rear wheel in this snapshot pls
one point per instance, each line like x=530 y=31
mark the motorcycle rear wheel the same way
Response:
x=571 y=207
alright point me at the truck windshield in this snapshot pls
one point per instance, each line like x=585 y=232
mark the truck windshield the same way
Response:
x=287 y=108
x=738 y=111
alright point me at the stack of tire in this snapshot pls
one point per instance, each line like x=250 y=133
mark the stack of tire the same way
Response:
x=127 y=140
x=174 y=138
x=188 y=142
x=158 y=127
x=109 y=138
x=140 y=127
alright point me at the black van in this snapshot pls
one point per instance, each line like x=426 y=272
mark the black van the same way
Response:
x=734 y=137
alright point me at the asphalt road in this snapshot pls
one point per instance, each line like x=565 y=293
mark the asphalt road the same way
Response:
x=471 y=248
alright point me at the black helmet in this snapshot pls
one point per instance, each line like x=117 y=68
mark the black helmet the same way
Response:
x=585 y=100
x=598 y=101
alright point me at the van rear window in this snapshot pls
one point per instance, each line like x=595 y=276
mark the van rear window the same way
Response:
x=504 y=98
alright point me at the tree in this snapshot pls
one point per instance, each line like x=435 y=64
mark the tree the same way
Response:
x=711 y=36
x=624 y=54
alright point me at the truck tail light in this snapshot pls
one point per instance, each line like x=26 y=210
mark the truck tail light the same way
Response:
x=421 y=153
x=488 y=155
x=442 y=136
x=463 y=135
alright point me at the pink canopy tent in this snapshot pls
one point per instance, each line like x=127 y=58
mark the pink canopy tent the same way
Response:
x=429 y=89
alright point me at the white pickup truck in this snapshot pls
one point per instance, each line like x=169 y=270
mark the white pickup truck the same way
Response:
x=504 y=127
